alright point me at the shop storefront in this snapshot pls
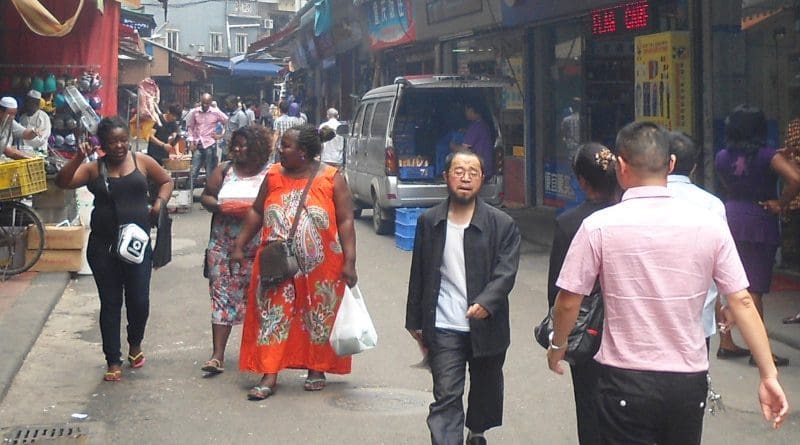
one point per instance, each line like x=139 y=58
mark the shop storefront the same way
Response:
x=587 y=84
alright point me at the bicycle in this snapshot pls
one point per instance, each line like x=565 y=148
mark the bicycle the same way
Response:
x=19 y=224
x=22 y=235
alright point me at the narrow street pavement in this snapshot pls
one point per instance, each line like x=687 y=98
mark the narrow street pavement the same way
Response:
x=384 y=400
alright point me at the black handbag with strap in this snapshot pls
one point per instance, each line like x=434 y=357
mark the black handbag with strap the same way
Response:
x=277 y=260
x=583 y=341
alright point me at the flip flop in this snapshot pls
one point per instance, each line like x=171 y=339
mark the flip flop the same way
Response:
x=213 y=366
x=317 y=384
x=794 y=319
x=137 y=361
x=113 y=376
x=259 y=393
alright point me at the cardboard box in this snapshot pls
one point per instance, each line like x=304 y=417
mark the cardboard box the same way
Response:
x=58 y=238
x=178 y=164
x=58 y=261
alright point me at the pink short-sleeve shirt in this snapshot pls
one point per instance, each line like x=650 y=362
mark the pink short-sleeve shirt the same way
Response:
x=655 y=256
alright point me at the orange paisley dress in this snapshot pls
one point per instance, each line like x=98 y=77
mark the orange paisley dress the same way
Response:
x=289 y=325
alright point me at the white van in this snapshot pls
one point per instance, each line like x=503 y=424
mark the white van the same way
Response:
x=397 y=141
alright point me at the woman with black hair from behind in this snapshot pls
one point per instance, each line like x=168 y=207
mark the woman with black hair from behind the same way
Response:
x=593 y=165
x=749 y=172
x=289 y=325
x=118 y=181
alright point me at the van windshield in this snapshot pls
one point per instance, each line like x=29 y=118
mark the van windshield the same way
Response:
x=430 y=121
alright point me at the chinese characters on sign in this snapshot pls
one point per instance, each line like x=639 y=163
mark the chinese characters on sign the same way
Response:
x=663 y=89
x=390 y=23
x=561 y=189
x=628 y=17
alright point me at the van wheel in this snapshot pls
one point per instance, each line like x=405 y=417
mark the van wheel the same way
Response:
x=381 y=225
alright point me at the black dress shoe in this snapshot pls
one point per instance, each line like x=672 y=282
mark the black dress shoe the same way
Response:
x=779 y=361
x=476 y=440
x=723 y=353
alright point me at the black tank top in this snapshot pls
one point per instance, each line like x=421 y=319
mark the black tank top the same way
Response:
x=129 y=193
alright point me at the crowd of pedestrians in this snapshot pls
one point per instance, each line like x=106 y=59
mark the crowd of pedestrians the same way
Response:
x=671 y=262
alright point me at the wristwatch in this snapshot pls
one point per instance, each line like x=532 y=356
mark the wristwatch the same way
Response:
x=552 y=346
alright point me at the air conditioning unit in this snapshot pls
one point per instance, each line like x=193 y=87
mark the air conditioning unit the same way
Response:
x=267 y=24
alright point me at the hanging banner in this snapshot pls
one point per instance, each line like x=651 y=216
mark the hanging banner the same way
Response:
x=390 y=23
x=512 y=94
x=663 y=89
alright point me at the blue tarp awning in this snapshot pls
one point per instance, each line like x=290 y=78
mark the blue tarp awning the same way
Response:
x=219 y=63
x=248 y=68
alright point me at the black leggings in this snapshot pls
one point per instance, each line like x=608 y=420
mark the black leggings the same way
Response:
x=112 y=276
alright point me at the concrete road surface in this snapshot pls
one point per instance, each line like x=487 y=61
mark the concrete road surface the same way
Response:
x=384 y=400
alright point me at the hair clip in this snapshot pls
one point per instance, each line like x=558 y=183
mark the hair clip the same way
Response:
x=604 y=158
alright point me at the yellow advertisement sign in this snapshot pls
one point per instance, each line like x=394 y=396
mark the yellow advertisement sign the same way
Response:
x=663 y=71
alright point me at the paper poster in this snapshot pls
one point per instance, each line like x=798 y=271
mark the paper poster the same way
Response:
x=663 y=88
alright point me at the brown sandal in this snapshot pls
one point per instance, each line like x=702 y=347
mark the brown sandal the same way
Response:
x=113 y=375
x=213 y=366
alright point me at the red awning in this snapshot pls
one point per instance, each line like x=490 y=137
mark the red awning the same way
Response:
x=271 y=39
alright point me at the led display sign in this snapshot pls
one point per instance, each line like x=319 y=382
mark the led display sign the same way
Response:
x=622 y=18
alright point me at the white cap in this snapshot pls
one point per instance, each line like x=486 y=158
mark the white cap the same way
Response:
x=35 y=94
x=8 y=102
x=333 y=113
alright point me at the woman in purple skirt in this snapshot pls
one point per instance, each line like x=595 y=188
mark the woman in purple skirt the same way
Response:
x=749 y=172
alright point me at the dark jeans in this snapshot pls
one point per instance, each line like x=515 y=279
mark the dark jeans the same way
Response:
x=449 y=354
x=646 y=407
x=584 y=384
x=204 y=157
x=113 y=277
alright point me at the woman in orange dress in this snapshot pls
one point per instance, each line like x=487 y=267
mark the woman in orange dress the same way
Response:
x=289 y=325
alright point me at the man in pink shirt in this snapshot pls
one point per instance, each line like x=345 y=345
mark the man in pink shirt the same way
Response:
x=655 y=256
x=201 y=125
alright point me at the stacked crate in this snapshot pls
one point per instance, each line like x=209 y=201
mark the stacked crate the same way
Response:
x=63 y=248
x=405 y=227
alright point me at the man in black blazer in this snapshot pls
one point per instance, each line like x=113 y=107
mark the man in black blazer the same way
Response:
x=466 y=255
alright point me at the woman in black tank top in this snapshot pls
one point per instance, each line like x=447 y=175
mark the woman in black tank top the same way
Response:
x=119 y=184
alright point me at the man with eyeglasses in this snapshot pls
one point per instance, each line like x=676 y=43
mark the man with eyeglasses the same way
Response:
x=465 y=260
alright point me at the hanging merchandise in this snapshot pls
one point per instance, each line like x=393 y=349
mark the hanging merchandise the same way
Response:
x=147 y=112
x=50 y=84
x=80 y=106
x=37 y=84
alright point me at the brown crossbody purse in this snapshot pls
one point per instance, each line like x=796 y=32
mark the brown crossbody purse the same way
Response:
x=277 y=261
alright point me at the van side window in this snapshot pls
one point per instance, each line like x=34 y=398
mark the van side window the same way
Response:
x=356 y=129
x=380 y=119
x=367 y=119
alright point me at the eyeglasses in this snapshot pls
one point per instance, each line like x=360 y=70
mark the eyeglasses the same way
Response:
x=462 y=173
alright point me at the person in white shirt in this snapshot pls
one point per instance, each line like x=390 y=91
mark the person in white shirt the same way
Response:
x=11 y=129
x=684 y=158
x=35 y=119
x=332 y=150
x=251 y=114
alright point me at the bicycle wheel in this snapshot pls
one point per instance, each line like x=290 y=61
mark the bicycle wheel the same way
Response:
x=17 y=222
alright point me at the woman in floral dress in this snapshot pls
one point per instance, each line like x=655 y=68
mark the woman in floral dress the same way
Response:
x=289 y=325
x=229 y=194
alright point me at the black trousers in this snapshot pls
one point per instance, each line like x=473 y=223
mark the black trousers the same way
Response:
x=584 y=385
x=644 y=407
x=114 y=278
x=449 y=354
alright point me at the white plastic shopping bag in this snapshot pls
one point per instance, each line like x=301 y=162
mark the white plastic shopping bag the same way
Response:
x=353 y=331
